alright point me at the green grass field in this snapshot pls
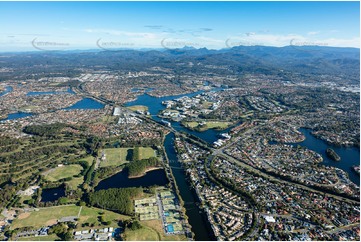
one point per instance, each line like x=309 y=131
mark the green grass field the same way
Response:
x=75 y=182
x=90 y=215
x=63 y=172
x=208 y=125
x=45 y=216
x=191 y=124
x=142 y=234
x=52 y=237
x=119 y=156
x=50 y=215
x=109 y=119
x=218 y=124
x=88 y=159
x=156 y=226
x=138 y=107
x=115 y=157
x=146 y=152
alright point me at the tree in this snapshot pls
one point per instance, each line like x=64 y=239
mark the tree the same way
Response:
x=67 y=236
x=135 y=225
x=81 y=203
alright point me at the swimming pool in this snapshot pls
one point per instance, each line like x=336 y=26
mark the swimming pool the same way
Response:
x=170 y=228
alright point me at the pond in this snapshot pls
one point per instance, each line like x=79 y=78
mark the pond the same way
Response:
x=86 y=103
x=49 y=93
x=121 y=180
x=17 y=115
x=6 y=91
x=52 y=194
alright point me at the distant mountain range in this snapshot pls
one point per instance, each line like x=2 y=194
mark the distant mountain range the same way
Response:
x=240 y=59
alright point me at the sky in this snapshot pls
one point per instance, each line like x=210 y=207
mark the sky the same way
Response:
x=30 y=26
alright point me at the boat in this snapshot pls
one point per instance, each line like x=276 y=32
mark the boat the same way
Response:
x=356 y=169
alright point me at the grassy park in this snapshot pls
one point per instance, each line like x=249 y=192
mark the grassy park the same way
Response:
x=205 y=125
x=119 y=156
x=142 y=234
x=52 y=237
x=138 y=107
x=146 y=152
x=90 y=215
x=116 y=156
x=156 y=225
x=63 y=172
x=75 y=182
x=44 y=216
x=50 y=215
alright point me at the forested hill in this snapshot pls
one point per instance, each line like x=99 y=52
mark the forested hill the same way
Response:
x=237 y=60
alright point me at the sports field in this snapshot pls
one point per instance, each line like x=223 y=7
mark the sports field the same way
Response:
x=142 y=234
x=119 y=156
x=145 y=200
x=116 y=156
x=207 y=125
x=146 y=152
x=149 y=216
x=50 y=215
x=63 y=172
x=148 y=209
x=45 y=216
x=138 y=107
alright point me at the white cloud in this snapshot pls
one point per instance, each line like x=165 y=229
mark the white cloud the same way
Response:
x=313 y=33
x=262 y=39
x=354 y=42
x=114 y=32
x=290 y=39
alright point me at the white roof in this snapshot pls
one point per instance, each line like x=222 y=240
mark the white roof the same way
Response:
x=269 y=219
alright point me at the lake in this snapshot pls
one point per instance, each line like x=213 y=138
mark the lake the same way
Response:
x=12 y=116
x=155 y=105
x=121 y=180
x=50 y=93
x=86 y=103
x=52 y=194
x=142 y=89
x=350 y=156
x=6 y=91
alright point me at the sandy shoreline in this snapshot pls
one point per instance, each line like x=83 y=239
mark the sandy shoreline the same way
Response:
x=145 y=172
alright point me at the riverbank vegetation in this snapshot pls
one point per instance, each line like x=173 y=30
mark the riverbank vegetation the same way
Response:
x=137 y=168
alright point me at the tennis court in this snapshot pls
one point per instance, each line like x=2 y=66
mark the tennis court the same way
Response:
x=149 y=216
